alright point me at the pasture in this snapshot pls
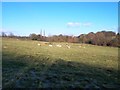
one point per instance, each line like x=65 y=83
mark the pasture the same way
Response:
x=28 y=64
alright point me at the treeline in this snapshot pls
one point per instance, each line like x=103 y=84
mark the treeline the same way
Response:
x=54 y=38
x=11 y=35
x=103 y=38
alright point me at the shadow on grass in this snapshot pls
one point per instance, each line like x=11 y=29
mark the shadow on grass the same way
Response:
x=31 y=72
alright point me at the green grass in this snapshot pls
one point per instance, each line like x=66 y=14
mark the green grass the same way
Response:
x=25 y=64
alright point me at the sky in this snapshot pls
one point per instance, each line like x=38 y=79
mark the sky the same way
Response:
x=67 y=18
x=60 y=0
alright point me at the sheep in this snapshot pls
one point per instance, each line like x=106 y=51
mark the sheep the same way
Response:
x=58 y=45
x=50 y=45
x=39 y=44
x=4 y=47
x=83 y=47
x=42 y=44
x=68 y=46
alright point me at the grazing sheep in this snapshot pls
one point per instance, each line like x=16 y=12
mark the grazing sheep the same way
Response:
x=4 y=47
x=50 y=45
x=39 y=44
x=43 y=43
x=58 y=45
x=68 y=46
x=79 y=46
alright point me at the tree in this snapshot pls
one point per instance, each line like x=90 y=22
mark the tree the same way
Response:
x=11 y=35
x=33 y=36
x=90 y=36
x=82 y=38
x=3 y=34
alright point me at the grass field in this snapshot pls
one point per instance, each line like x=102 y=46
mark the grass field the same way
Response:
x=25 y=64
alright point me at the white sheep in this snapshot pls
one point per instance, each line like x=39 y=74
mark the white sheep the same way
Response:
x=50 y=45
x=58 y=45
x=39 y=44
x=4 y=47
x=68 y=46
